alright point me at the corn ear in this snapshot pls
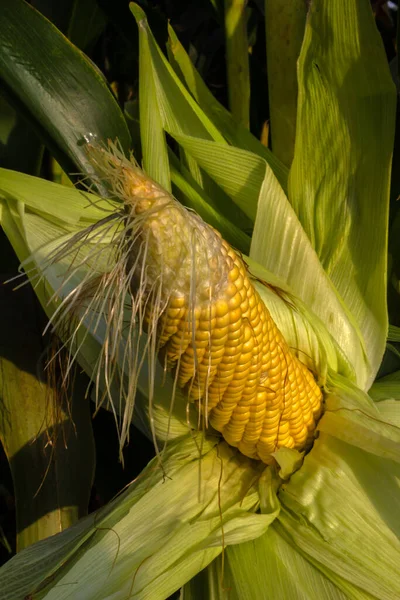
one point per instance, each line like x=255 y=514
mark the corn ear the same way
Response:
x=191 y=293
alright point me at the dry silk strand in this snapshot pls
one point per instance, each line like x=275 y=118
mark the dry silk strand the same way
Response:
x=192 y=296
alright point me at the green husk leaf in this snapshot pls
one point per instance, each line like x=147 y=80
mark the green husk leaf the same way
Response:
x=339 y=186
x=352 y=416
x=390 y=410
x=268 y=564
x=280 y=244
x=340 y=510
x=238 y=172
x=178 y=111
x=235 y=133
x=386 y=387
x=194 y=197
x=152 y=135
x=104 y=555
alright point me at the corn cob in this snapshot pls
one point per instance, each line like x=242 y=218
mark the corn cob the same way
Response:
x=193 y=295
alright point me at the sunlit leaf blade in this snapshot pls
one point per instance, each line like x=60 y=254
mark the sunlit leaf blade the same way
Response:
x=62 y=91
x=40 y=194
x=270 y=564
x=238 y=172
x=339 y=181
x=340 y=509
x=152 y=135
x=196 y=198
x=284 y=25
x=178 y=112
x=235 y=133
x=352 y=416
x=119 y=552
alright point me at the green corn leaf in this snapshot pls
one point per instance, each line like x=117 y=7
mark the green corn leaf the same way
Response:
x=237 y=60
x=386 y=387
x=178 y=113
x=60 y=89
x=394 y=333
x=238 y=172
x=152 y=135
x=118 y=550
x=339 y=180
x=352 y=416
x=390 y=410
x=193 y=196
x=284 y=28
x=340 y=510
x=268 y=563
x=235 y=133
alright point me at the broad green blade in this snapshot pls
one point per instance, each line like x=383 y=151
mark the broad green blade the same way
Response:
x=235 y=133
x=341 y=510
x=339 y=180
x=63 y=93
x=154 y=537
x=73 y=205
x=284 y=29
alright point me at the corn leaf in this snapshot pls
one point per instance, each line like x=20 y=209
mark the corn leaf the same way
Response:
x=179 y=114
x=339 y=187
x=386 y=387
x=235 y=133
x=390 y=411
x=152 y=135
x=119 y=551
x=271 y=565
x=352 y=416
x=237 y=60
x=340 y=509
x=284 y=29
x=61 y=90
x=194 y=197
x=394 y=333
